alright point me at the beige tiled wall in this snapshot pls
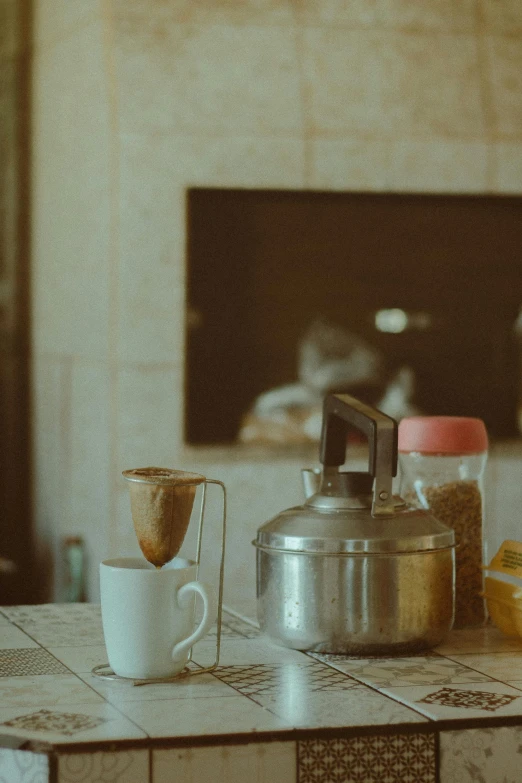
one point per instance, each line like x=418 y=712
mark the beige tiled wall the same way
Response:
x=134 y=100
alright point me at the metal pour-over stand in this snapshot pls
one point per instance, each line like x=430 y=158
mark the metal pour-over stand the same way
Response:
x=104 y=671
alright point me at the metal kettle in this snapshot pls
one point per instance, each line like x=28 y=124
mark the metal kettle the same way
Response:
x=355 y=570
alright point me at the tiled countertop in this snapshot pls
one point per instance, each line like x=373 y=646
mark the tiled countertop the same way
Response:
x=266 y=715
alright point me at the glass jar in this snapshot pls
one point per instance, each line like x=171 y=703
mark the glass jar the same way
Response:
x=442 y=462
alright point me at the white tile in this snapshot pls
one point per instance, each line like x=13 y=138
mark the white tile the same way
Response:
x=56 y=19
x=150 y=412
x=504 y=74
x=45 y=690
x=507 y=177
x=273 y=762
x=358 y=706
x=338 y=13
x=347 y=106
x=50 y=400
x=68 y=723
x=249 y=651
x=123 y=766
x=502 y=16
x=23 y=766
x=438 y=166
x=461 y=702
x=348 y=164
x=87 y=507
x=70 y=227
x=198 y=686
x=220 y=82
x=155 y=167
x=196 y=717
x=478 y=640
x=136 y=14
x=12 y=638
x=81 y=660
x=501 y=666
x=493 y=755
x=436 y=16
x=398 y=84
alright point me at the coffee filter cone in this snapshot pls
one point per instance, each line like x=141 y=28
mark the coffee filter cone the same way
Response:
x=161 y=504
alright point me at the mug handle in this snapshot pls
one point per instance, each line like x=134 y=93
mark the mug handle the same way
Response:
x=210 y=608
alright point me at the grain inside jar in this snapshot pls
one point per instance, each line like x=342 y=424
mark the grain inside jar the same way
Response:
x=458 y=504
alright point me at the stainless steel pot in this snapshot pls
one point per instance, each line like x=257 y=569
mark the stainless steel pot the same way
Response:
x=355 y=570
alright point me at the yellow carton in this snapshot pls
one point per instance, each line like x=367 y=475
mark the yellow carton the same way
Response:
x=503 y=597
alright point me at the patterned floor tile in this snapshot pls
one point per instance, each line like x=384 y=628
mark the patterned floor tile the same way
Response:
x=126 y=766
x=273 y=762
x=398 y=758
x=85 y=722
x=471 y=700
x=478 y=640
x=418 y=670
x=52 y=613
x=502 y=666
x=254 y=680
x=22 y=766
x=479 y=755
x=31 y=661
x=45 y=691
x=66 y=723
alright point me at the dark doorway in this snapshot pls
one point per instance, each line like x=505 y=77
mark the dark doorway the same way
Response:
x=262 y=265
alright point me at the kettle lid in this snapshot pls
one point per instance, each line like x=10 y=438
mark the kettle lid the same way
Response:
x=308 y=531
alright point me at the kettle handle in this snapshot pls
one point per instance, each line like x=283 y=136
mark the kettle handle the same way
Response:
x=339 y=412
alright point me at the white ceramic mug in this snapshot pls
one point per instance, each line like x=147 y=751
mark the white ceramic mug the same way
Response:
x=148 y=615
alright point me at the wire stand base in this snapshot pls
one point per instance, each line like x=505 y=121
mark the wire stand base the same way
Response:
x=104 y=671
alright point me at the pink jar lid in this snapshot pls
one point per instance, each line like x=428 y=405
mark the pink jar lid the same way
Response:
x=442 y=435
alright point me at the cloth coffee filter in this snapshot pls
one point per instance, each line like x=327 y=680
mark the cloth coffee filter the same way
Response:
x=161 y=505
